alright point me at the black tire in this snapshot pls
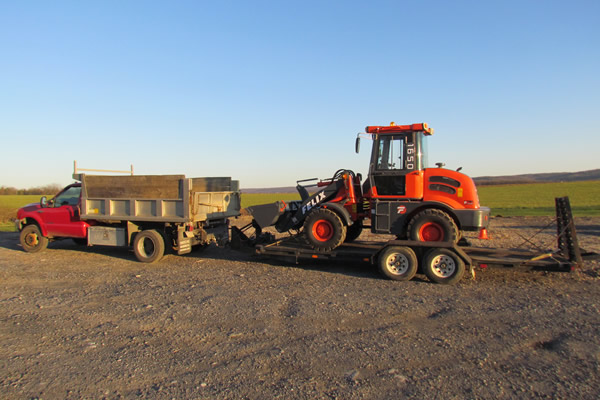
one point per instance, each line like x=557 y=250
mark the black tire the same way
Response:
x=432 y=225
x=324 y=230
x=32 y=239
x=149 y=246
x=353 y=231
x=443 y=266
x=398 y=263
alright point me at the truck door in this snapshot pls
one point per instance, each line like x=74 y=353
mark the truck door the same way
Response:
x=61 y=218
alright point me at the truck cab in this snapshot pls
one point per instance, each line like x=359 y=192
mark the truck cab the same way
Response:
x=58 y=217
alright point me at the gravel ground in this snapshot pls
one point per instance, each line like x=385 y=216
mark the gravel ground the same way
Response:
x=81 y=322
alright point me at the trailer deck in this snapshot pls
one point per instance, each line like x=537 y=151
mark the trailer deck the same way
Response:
x=442 y=262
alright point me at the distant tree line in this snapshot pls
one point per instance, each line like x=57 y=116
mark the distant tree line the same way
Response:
x=47 y=189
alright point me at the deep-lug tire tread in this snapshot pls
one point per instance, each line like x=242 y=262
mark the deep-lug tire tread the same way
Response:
x=437 y=216
x=339 y=229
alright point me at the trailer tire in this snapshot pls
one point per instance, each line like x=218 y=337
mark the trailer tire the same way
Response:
x=432 y=225
x=398 y=263
x=324 y=230
x=353 y=231
x=443 y=266
x=149 y=246
x=32 y=240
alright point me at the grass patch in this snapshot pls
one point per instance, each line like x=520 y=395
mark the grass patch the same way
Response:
x=9 y=204
x=538 y=199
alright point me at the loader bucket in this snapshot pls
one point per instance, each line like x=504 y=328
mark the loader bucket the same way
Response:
x=267 y=214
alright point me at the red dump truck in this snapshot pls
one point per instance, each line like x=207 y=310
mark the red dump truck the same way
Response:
x=150 y=213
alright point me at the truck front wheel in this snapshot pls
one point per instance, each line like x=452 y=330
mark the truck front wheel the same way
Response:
x=324 y=230
x=32 y=239
x=149 y=246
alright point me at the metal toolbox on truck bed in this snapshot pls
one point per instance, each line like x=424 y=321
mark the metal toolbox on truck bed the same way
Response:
x=107 y=236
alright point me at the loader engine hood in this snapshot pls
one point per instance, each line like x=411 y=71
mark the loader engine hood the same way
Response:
x=450 y=187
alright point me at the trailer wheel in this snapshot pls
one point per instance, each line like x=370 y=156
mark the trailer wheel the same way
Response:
x=353 y=231
x=149 y=246
x=398 y=263
x=432 y=225
x=32 y=239
x=324 y=229
x=443 y=266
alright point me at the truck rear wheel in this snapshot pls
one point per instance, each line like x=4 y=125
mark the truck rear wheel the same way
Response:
x=324 y=230
x=432 y=225
x=32 y=239
x=398 y=263
x=149 y=246
x=443 y=266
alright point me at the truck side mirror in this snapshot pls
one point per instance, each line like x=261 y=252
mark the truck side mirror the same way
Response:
x=43 y=202
x=357 y=144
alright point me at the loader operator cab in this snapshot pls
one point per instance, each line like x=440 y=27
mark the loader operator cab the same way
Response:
x=398 y=156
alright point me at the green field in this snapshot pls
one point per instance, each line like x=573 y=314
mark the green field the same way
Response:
x=506 y=200
x=538 y=198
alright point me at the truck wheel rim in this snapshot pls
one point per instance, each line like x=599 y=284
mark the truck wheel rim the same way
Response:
x=322 y=230
x=431 y=232
x=443 y=266
x=32 y=240
x=397 y=263
x=146 y=247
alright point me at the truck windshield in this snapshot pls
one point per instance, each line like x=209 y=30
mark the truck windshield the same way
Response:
x=69 y=197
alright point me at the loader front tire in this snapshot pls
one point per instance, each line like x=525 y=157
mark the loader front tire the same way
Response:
x=324 y=230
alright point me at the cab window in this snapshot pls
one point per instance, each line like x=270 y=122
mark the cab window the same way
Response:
x=391 y=153
x=68 y=197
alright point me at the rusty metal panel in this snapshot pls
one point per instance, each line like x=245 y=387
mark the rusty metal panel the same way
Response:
x=211 y=184
x=134 y=187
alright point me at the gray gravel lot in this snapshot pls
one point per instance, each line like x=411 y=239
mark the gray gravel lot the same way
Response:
x=79 y=322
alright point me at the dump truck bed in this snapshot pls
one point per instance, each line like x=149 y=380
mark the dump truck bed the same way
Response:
x=158 y=198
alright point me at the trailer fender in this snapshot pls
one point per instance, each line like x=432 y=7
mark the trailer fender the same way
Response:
x=341 y=211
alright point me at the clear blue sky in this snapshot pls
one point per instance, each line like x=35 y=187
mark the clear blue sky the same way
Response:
x=269 y=92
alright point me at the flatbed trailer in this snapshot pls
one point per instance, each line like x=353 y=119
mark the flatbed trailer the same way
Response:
x=442 y=262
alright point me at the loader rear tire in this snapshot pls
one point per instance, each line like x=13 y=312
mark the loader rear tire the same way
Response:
x=324 y=230
x=432 y=225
